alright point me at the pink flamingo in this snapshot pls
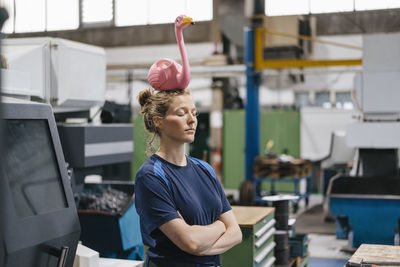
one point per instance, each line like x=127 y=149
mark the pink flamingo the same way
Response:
x=167 y=74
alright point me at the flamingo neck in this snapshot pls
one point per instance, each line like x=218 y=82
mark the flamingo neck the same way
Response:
x=185 y=74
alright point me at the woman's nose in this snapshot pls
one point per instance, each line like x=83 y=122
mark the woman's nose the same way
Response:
x=191 y=118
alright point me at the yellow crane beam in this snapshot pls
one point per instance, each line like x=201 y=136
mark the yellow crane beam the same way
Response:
x=260 y=63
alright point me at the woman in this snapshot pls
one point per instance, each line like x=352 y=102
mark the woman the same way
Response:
x=185 y=217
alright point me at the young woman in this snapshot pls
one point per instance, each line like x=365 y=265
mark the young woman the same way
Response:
x=185 y=218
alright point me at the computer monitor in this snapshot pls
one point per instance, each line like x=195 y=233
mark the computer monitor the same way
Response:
x=40 y=225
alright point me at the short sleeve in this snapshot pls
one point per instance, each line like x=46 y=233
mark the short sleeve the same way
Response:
x=225 y=203
x=154 y=202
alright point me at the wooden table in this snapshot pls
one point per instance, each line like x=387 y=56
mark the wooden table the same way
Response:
x=376 y=254
x=250 y=216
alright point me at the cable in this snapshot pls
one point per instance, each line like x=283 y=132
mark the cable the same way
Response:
x=353 y=94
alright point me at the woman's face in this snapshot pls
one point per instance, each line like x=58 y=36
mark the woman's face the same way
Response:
x=180 y=122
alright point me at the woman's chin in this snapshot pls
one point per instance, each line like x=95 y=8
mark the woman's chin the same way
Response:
x=189 y=140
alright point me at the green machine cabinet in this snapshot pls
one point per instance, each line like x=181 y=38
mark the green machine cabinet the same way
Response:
x=257 y=248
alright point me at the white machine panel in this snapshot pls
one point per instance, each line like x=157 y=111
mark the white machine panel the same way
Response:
x=374 y=135
x=381 y=92
x=381 y=52
x=68 y=75
x=17 y=82
x=378 y=86
x=30 y=60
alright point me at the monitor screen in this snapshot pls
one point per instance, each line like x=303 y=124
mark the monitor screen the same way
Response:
x=31 y=168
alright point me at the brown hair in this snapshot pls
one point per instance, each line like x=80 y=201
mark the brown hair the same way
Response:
x=155 y=105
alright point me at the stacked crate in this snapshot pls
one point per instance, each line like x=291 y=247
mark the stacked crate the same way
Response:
x=275 y=168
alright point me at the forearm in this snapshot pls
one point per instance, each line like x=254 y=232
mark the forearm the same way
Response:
x=203 y=237
x=230 y=238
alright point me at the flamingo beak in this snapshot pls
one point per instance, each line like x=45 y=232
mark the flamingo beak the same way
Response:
x=187 y=21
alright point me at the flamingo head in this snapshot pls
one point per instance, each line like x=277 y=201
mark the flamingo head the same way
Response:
x=183 y=21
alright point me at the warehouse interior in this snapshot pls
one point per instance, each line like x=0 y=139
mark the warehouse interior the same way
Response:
x=298 y=115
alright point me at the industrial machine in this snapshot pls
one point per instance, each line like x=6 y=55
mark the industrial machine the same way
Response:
x=38 y=213
x=69 y=78
x=368 y=204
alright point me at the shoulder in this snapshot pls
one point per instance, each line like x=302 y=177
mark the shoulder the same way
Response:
x=146 y=169
x=204 y=165
x=151 y=172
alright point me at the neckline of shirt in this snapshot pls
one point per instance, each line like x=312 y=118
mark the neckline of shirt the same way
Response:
x=172 y=164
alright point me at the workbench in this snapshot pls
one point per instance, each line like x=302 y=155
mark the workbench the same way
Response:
x=383 y=254
x=257 y=247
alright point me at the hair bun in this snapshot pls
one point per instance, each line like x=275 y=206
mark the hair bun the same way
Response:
x=144 y=96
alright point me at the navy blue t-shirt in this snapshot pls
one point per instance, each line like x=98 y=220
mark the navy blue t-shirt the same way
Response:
x=162 y=189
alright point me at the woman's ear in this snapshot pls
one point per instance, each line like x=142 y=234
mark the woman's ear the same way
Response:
x=157 y=122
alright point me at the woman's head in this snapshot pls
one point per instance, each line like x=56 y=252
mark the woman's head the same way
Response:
x=169 y=114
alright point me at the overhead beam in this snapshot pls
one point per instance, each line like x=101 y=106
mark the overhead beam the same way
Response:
x=260 y=63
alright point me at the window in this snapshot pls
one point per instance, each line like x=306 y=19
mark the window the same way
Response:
x=322 y=99
x=286 y=7
x=325 y=6
x=297 y=7
x=381 y=4
x=30 y=16
x=200 y=10
x=136 y=12
x=131 y=12
x=62 y=15
x=162 y=11
x=53 y=15
x=302 y=100
x=97 y=11
x=344 y=100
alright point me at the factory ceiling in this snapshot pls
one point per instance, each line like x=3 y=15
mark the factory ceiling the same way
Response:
x=376 y=21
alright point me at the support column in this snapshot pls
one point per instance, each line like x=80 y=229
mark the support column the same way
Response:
x=253 y=78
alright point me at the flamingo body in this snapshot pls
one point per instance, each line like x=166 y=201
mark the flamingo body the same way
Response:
x=167 y=74
x=163 y=75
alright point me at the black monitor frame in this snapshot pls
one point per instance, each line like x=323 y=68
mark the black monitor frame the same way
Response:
x=39 y=230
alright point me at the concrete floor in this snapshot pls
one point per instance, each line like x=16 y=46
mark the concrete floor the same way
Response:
x=324 y=250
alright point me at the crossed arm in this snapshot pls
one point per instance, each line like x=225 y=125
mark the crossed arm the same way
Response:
x=199 y=240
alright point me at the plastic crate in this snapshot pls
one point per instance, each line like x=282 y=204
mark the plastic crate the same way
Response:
x=298 y=245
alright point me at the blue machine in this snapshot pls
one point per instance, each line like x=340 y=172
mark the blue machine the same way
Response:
x=371 y=200
x=368 y=208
